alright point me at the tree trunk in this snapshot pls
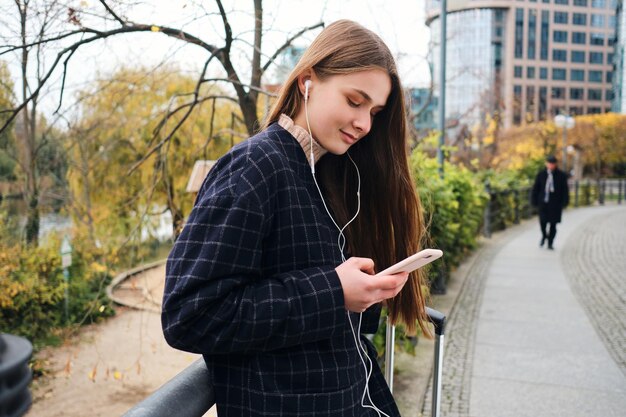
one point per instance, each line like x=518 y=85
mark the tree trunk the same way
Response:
x=29 y=163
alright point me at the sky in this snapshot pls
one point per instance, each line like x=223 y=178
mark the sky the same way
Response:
x=400 y=23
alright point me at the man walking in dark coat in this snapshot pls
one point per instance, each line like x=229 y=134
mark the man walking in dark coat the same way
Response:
x=551 y=195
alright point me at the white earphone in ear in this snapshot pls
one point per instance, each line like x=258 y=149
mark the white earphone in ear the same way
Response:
x=307 y=84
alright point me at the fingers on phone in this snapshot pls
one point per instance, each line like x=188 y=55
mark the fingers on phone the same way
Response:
x=364 y=264
x=392 y=283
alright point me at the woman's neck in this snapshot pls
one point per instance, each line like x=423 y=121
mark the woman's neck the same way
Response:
x=303 y=137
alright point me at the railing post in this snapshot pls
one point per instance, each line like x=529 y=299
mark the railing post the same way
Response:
x=576 y=193
x=15 y=375
x=588 y=193
x=619 y=191
x=389 y=353
x=487 y=220
x=516 y=205
x=601 y=192
x=439 y=320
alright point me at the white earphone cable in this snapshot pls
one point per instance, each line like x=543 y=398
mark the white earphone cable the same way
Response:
x=341 y=242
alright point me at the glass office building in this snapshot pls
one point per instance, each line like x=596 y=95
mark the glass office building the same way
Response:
x=619 y=94
x=525 y=60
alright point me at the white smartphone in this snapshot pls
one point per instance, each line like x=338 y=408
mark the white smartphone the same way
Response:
x=413 y=262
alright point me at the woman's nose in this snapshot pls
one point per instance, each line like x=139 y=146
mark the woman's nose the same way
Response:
x=363 y=122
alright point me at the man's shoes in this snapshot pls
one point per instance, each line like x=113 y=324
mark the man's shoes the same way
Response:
x=550 y=246
x=543 y=241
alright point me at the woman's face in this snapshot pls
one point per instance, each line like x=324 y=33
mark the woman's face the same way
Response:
x=342 y=107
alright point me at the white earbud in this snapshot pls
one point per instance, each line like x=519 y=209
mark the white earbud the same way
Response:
x=307 y=84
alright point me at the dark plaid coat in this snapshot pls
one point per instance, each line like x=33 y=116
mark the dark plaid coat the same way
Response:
x=251 y=285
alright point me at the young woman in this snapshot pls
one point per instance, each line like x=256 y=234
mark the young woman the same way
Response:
x=266 y=281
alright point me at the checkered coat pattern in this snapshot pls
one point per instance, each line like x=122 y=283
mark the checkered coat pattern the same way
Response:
x=251 y=285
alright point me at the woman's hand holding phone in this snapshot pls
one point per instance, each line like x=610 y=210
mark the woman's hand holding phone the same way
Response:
x=362 y=289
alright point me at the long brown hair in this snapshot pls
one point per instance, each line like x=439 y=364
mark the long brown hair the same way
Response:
x=390 y=225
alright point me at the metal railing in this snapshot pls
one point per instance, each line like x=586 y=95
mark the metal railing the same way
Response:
x=586 y=192
x=506 y=207
x=191 y=394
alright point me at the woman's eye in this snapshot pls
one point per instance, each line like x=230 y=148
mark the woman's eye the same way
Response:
x=353 y=104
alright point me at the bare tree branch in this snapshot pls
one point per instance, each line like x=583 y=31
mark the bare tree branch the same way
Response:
x=250 y=87
x=287 y=44
x=112 y=13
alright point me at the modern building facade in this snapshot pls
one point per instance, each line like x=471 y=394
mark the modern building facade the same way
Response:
x=423 y=107
x=619 y=89
x=525 y=60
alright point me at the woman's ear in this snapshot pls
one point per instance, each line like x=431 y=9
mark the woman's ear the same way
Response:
x=305 y=76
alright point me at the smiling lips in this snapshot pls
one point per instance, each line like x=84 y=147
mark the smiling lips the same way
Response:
x=348 y=138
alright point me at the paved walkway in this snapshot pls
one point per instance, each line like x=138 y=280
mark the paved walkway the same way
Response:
x=535 y=332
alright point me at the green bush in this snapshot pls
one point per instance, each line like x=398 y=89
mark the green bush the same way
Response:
x=32 y=290
x=453 y=206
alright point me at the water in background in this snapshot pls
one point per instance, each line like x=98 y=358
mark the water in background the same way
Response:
x=160 y=227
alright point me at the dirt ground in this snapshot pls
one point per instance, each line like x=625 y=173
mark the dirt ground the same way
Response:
x=111 y=366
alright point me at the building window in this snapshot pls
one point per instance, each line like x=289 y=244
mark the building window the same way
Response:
x=517 y=71
x=545 y=32
x=517 y=104
x=558 y=74
x=596 y=38
x=559 y=36
x=597 y=20
x=576 y=93
x=609 y=77
x=594 y=110
x=598 y=4
x=558 y=92
x=577 y=75
x=581 y=3
x=609 y=58
x=609 y=95
x=561 y=1
x=560 y=17
x=594 y=94
x=497 y=55
x=612 y=21
x=543 y=92
x=532 y=33
x=578 y=56
x=543 y=73
x=559 y=55
x=530 y=102
x=575 y=111
x=519 y=33
x=579 y=19
x=530 y=73
x=595 y=76
x=596 y=58
x=579 y=38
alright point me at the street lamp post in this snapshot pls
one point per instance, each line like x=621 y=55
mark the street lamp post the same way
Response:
x=442 y=87
x=565 y=122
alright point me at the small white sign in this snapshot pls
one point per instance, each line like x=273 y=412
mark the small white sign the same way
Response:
x=66 y=252
x=66 y=260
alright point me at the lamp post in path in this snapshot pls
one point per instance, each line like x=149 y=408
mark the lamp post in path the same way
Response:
x=565 y=122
